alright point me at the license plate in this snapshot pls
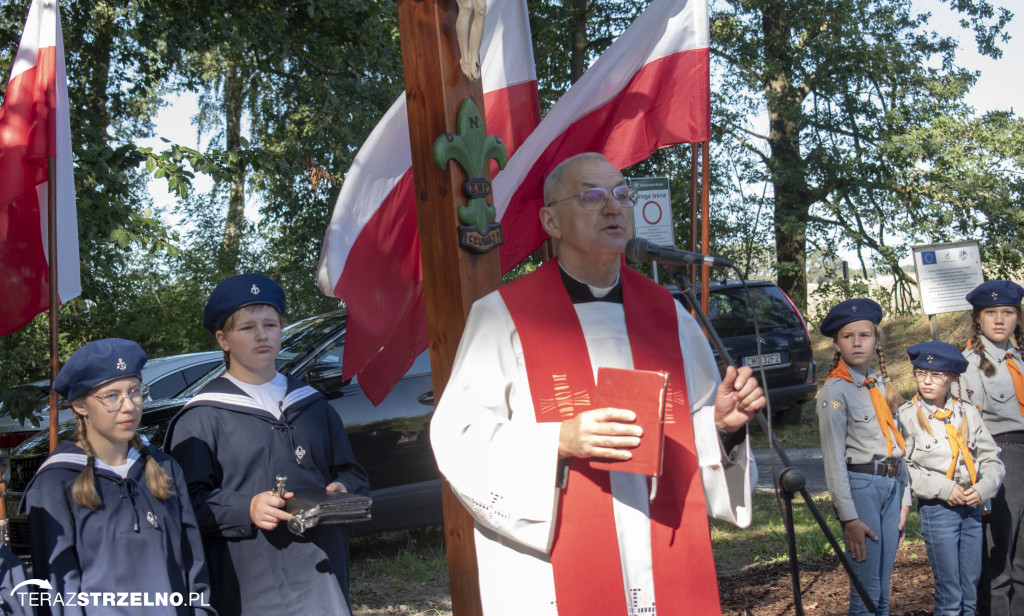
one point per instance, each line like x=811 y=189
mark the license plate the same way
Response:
x=767 y=359
x=11 y=504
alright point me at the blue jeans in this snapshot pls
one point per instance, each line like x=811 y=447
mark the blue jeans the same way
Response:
x=954 y=541
x=877 y=500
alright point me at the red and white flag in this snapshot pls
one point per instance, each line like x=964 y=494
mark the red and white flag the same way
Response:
x=34 y=124
x=649 y=90
x=371 y=254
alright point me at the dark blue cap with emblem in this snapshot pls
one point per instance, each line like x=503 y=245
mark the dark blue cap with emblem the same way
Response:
x=843 y=313
x=996 y=293
x=237 y=292
x=99 y=362
x=937 y=356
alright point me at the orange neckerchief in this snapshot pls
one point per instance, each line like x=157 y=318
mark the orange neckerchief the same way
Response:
x=956 y=443
x=1018 y=380
x=885 y=420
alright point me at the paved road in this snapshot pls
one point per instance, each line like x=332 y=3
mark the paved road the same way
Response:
x=807 y=461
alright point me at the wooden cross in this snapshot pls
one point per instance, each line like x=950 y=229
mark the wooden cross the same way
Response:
x=453 y=278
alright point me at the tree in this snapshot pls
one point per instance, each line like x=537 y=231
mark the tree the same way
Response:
x=850 y=89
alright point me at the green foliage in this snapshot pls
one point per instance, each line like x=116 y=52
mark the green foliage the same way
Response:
x=868 y=143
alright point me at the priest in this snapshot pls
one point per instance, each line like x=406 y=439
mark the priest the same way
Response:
x=515 y=429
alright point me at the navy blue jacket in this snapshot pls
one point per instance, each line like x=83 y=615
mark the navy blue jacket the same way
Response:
x=230 y=450
x=12 y=573
x=132 y=542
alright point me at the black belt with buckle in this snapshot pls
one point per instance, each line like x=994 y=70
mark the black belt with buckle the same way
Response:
x=885 y=469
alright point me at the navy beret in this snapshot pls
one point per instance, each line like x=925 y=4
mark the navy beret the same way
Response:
x=934 y=355
x=857 y=309
x=238 y=291
x=996 y=293
x=99 y=362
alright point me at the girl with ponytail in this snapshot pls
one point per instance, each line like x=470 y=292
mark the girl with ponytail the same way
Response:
x=954 y=468
x=109 y=513
x=862 y=448
x=994 y=383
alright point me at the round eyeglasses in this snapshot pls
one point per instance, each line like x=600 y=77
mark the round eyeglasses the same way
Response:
x=924 y=375
x=112 y=402
x=593 y=199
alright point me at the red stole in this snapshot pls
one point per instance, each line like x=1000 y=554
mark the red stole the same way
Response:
x=585 y=555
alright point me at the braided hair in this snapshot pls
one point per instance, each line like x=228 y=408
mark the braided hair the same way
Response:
x=84 y=492
x=892 y=394
x=978 y=346
x=922 y=418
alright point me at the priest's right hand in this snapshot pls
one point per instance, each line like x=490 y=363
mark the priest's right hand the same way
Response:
x=599 y=433
x=265 y=510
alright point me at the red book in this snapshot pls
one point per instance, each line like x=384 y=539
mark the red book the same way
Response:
x=643 y=392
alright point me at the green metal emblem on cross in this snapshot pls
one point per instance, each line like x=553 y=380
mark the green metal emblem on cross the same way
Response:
x=472 y=148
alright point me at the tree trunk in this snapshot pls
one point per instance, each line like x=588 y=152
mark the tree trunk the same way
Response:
x=97 y=79
x=578 y=50
x=234 y=226
x=786 y=167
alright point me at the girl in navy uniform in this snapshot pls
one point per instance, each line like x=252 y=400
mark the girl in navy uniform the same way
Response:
x=994 y=383
x=232 y=439
x=12 y=573
x=954 y=467
x=862 y=448
x=108 y=513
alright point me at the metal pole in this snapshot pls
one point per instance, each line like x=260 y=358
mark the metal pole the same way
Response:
x=705 y=222
x=693 y=206
x=51 y=228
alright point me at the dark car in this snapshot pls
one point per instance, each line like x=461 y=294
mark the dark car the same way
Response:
x=390 y=440
x=785 y=341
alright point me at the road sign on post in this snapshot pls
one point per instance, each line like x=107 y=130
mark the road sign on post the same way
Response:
x=652 y=217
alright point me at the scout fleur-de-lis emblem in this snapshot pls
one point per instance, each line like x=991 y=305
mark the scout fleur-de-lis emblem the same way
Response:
x=151 y=518
x=472 y=148
x=121 y=365
x=853 y=308
x=995 y=296
x=930 y=358
x=300 y=453
x=254 y=290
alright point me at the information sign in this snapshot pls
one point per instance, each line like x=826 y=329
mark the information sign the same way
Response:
x=946 y=273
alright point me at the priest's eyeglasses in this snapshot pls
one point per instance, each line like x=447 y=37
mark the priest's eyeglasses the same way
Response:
x=924 y=375
x=114 y=400
x=593 y=199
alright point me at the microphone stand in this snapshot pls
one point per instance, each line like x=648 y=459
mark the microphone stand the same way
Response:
x=789 y=480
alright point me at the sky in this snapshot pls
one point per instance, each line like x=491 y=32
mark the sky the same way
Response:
x=1000 y=86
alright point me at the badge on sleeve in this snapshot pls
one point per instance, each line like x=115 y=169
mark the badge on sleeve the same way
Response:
x=836 y=404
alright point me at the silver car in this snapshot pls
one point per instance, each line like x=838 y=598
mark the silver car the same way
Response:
x=166 y=377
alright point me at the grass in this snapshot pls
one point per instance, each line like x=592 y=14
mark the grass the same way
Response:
x=764 y=542
x=391 y=562
x=394 y=560
x=900 y=332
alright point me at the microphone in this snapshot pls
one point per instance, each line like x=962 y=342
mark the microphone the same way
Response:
x=639 y=250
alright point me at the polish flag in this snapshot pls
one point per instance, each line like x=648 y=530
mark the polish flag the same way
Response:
x=371 y=255
x=34 y=125
x=649 y=90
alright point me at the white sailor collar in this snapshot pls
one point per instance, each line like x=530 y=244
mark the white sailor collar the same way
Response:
x=223 y=393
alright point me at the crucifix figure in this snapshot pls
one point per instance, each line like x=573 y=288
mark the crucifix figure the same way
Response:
x=469 y=29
